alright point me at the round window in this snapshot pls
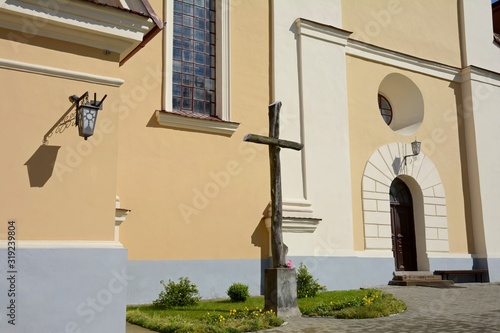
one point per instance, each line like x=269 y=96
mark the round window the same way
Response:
x=405 y=111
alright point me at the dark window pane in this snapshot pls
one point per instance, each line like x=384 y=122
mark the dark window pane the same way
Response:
x=177 y=18
x=199 y=106
x=176 y=78
x=187 y=67
x=188 y=21
x=177 y=30
x=199 y=3
x=199 y=70
x=199 y=12
x=187 y=92
x=199 y=81
x=199 y=94
x=187 y=32
x=176 y=103
x=186 y=104
x=177 y=66
x=177 y=41
x=199 y=58
x=188 y=9
x=187 y=80
x=187 y=55
x=178 y=6
x=176 y=90
x=199 y=35
x=199 y=23
x=177 y=53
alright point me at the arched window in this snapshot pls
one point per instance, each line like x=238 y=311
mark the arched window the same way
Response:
x=385 y=109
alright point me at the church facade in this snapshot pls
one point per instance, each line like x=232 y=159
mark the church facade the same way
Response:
x=395 y=102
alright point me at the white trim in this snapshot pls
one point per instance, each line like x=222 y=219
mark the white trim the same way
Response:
x=297 y=205
x=471 y=73
x=195 y=124
x=374 y=53
x=321 y=31
x=80 y=22
x=387 y=57
x=60 y=73
x=62 y=244
x=223 y=59
x=299 y=224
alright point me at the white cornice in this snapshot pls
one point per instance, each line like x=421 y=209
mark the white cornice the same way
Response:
x=172 y=120
x=374 y=53
x=75 y=21
x=387 y=57
x=321 y=31
x=61 y=244
x=60 y=73
x=472 y=73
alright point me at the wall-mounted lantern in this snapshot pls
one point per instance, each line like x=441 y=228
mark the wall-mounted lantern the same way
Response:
x=415 y=148
x=86 y=113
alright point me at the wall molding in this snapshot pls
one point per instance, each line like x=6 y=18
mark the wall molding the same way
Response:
x=63 y=244
x=60 y=73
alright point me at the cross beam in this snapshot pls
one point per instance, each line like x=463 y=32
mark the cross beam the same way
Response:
x=278 y=248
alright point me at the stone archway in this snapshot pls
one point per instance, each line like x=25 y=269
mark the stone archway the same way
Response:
x=429 y=201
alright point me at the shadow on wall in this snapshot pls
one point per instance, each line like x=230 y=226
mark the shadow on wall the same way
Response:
x=260 y=238
x=41 y=165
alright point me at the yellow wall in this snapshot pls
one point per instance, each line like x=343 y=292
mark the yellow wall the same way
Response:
x=160 y=169
x=71 y=192
x=425 y=29
x=438 y=134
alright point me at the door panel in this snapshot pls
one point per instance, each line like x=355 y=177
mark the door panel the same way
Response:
x=403 y=238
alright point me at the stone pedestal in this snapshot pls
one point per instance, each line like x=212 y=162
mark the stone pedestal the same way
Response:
x=280 y=291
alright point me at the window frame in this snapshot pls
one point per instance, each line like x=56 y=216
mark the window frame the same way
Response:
x=379 y=97
x=194 y=121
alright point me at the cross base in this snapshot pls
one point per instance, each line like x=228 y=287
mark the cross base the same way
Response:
x=280 y=292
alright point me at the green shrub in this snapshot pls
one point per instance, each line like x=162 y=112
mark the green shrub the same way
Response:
x=238 y=292
x=177 y=294
x=307 y=286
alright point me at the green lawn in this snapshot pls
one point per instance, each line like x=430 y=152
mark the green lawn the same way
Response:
x=223 y=316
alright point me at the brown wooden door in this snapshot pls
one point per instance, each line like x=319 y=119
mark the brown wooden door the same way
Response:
x=403 y=227
x=403 y=238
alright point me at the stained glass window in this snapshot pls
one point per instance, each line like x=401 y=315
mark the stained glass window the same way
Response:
x=193 y=86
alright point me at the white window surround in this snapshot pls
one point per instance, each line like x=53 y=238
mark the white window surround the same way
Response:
x=168 y=118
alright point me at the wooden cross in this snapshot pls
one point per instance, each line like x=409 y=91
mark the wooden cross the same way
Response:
x=278 y=248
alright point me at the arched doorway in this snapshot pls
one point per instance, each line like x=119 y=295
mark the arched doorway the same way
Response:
x=403 y=227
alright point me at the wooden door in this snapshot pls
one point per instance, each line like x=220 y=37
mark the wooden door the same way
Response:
x=403 y=238
x=403 y=227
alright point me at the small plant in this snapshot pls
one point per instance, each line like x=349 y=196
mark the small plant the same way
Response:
x=238 y=292
x=307 y=286
x=177 y=294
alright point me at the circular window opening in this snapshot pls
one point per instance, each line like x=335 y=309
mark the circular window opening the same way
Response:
x=385 y=109
x=405 y=111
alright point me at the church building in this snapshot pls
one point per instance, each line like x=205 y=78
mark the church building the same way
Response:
x=123 y=124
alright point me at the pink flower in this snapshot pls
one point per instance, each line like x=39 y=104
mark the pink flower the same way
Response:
x=289 y=264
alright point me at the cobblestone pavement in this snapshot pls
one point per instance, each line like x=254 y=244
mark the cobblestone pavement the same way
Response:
x=463 y=308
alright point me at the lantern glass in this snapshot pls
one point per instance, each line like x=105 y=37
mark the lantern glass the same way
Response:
x=415 y=147
x=87 y=119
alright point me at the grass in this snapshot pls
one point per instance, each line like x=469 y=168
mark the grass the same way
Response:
x=224 y=316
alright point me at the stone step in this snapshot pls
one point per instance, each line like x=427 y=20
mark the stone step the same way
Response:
x=421 y=283
x=415 y=278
